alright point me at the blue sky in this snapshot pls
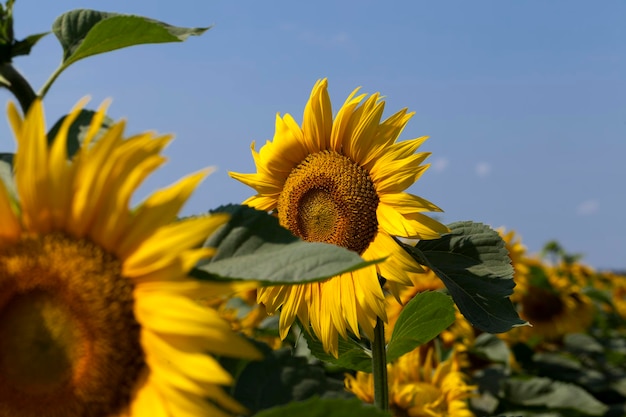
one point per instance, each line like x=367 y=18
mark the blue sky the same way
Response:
x=524 y=102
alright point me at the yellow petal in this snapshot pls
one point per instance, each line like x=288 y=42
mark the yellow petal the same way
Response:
x=10 y=230
x=174 y=315
x=318 y=119
x=155 y=251
x=159 y=210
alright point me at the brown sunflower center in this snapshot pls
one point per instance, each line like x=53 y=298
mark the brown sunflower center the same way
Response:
x=328 y=198
x=69 y=341
x=541 y=305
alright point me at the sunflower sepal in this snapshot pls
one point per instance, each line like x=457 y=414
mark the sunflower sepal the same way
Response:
x=473 y=263
x=253 y=246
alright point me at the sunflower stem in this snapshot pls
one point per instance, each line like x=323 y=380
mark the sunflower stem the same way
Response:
x=12 y=80
x=379 y=367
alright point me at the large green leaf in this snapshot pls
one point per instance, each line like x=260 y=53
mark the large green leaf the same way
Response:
x=84 y=33
x=352 y=354
x=421 y=320
x=473 y=263
x=325 y=407
x=253 y=246
x=553 y=395
x=78 y=129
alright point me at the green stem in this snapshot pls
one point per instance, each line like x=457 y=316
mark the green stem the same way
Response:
x=379 y=367
x=16 y=84
x=44 y=90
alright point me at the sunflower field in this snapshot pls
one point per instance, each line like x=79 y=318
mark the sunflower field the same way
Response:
x=331 y=291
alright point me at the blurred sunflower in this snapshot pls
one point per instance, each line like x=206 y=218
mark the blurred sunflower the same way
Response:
x=420 y=386
x=96 y=317
x=551 y=303
x=617 y=285
x=342 y=181
x=517 y=252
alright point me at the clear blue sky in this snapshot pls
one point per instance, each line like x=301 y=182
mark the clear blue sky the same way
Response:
x=524 y=102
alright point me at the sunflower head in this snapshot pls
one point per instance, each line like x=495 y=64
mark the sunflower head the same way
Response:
x=420 y=385
x=551 y=303
x=341 y=179
x=96 y=317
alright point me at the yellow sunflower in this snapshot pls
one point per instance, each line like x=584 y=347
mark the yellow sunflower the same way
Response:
x=96 y=317
x=618 y=288
x=341 y=180
x=517 y=252
x=420 y=386
x=551 y=303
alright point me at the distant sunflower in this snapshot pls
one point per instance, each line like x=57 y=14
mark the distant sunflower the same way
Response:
x=517 y=252
x=551 y=303
x=95 y=314
x=342 y=181
x=420 y=386
x=618 y=291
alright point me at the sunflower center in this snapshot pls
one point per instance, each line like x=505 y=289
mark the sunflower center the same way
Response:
x=69 y=342
x=329 y=198
x=541 y=305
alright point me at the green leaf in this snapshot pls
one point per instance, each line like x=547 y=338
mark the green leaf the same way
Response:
x=281 y=378
x=491 y=348
x=473 y=263
x=78 y=130
x=325 y=407
x=253 y=246
x=421 y=320
x=84 y=33
x=352 y=355
x=567 y=368
x=24 y=46
x=553 y=395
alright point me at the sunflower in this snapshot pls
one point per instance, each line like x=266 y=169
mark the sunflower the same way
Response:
x=618 y=291
x=551 y=303
x=420 y=385
x=96 y=317
x=517 y=251
x=341 y=180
